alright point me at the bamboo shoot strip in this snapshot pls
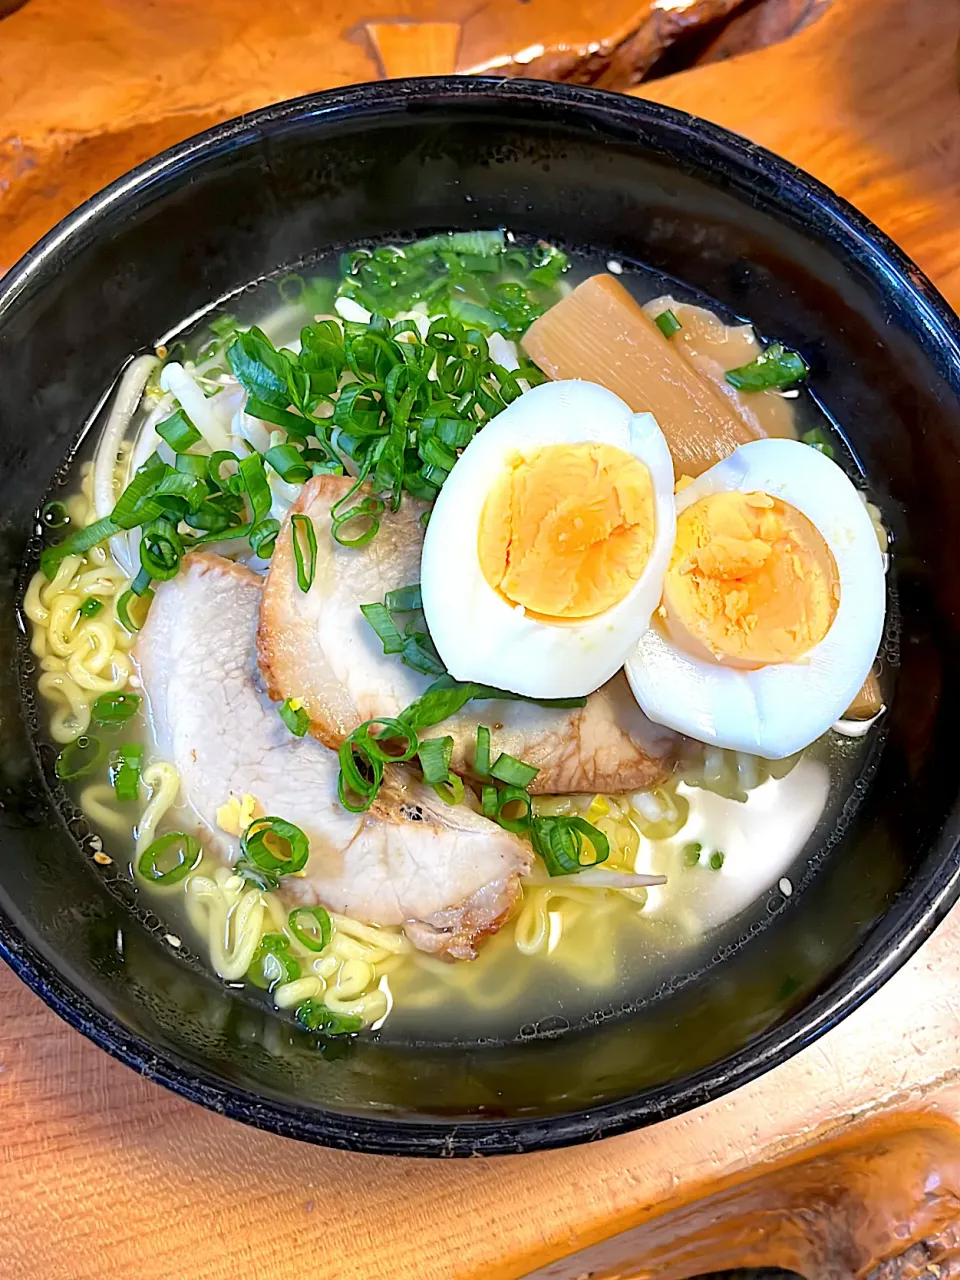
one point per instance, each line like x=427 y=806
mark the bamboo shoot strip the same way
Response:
x=599 y=333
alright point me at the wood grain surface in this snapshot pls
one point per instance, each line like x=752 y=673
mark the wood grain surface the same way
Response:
x=105 y=1175
x=88 y=90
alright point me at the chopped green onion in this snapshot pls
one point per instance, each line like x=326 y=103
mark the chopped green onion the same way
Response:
x=549 y=264
x=450 y=789
x=134 y=506
x=188 y=493
x=314 y=1016
x=818 y=439
x=510 y=796
x=263 y=538
x=455 y=432
x=691 y=854
x=481 y=758
x=488 y=800
x=360 y=777
x=435 y=755
x=254 y=480
x=90 y=607
x=311 y=926
x=560 y=842
x=773 y=370
x=292 y=423
x=214 y=516
x=272 y=963
x=140 y=586
x=125 y=771
x=667 y=323
x=115 y=708
x=716 y=859
x=54 y=515
x=80 y=757
x=129 y=597
x=385 y=627
x=179 y=432
x=446 y=696
x=392 y=731
x=297 y=719
x=437 y=703
x=513 y=772
x=418 y=652
x=436 y=454
x=193 y=464
x=260 y=368
x=413 y=401
x=303 y=533
x=150 y=863
x=294 y=847
x=367 y=513
x=76 y=543
x=404 y=599
x=482 y=243
x=287 y=461
x=161 y=550
x=230 y=484
x=223 y=326
x=362 y=760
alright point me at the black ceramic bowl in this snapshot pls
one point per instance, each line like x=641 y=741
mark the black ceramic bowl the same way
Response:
x=630 y=180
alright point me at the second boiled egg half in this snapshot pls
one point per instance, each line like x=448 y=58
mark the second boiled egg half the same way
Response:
x=547 y=547
x=773 y=604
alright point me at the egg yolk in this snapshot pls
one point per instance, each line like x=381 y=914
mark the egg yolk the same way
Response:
x=567 y=531
x=751 y=581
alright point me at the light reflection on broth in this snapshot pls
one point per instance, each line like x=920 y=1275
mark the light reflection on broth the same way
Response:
x=567 y=950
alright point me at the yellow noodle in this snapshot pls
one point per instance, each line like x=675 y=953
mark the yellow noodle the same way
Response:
x=377 y=936
x=326 y=967
x=353 y=979
x=80 y=657
x=163 y=782
x=369 y=1007
x=230 y=920
x=291 y=994
x=99 y=802
x=70 y=715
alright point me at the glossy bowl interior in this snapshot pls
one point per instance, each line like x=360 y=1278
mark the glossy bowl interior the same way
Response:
x=629 y=180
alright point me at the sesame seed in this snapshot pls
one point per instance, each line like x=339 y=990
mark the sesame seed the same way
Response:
x=785 y=887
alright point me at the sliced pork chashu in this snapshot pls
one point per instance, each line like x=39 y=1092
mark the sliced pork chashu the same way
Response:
x=317 y=646
x=445 y=873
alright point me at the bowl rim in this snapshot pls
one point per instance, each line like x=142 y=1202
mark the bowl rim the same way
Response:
x=910 y=918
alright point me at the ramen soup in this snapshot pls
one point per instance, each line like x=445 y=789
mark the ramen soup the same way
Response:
x=456 y=639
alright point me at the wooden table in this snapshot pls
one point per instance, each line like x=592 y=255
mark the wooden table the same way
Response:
x=843 y=1162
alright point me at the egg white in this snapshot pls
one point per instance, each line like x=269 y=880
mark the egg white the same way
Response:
x=783 y=707
x=478 y=634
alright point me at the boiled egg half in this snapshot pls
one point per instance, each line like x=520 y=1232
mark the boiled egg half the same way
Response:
x=773 y=604
x=546 y=548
